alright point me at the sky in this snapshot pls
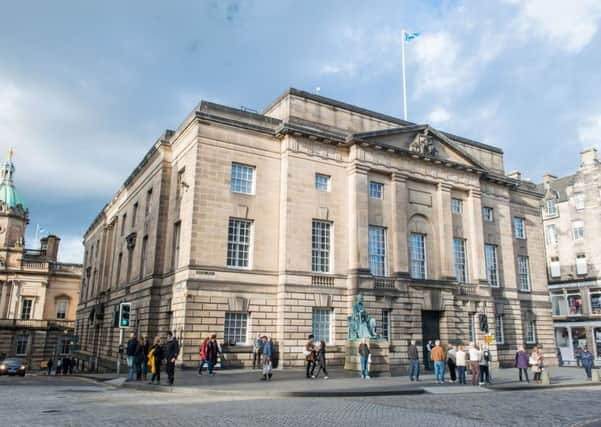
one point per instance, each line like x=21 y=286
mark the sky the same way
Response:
x=87 y=87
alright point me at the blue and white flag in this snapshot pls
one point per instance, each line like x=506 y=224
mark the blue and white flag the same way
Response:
x=410 y=36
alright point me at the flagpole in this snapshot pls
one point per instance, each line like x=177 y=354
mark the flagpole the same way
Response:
x=37 y=234
x=404 y=78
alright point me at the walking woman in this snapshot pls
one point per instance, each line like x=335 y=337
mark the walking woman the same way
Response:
x=364 y=353
x=321 y=360
x=521 y=362
x=267 y=352
x=536 y=360
x=203 y=354
x=155 y=358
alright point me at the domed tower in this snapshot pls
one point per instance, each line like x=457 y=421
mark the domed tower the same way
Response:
x=14 y=217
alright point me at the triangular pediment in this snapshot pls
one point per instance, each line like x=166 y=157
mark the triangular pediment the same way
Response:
x=422 y=140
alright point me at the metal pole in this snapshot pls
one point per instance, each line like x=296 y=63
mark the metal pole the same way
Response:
x=404 y=77
x=119 y=352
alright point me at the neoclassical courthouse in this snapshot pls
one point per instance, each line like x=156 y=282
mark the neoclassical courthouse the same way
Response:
x=240 y=223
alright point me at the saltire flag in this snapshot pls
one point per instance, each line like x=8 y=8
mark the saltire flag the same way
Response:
x=410 y=36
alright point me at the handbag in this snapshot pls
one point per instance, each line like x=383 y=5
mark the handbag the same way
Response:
x=369 y=358
x=306 y=352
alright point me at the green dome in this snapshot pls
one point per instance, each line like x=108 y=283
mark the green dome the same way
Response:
x=8 y=193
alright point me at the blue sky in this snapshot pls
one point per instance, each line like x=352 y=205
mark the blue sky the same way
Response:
x=86 y=87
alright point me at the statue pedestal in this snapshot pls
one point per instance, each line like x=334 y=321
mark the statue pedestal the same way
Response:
x=380 y=365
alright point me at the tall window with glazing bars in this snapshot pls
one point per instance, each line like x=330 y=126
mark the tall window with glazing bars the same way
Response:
x=377 y=250
x=320 y=254
x=238 y=243
x=523 y=273
x=492 y=269
x=418 y=255
x=460 y=260
x=242 y=180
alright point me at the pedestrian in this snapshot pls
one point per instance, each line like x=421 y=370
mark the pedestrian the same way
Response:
x=257 y=350
x=452 y=363
x=587 y=362
x=171 y=353
x=365 y=354
x=521 y=362
x=132 y=348
x=413 y=356
x=71 y=365
x=267 y=352
x=155 y=358
x=212 y=353
x=321 y=360
x=428 y=359
x=536 y=360
x=483 y=365
x=59 y=366
x=309 y=353
x=145 y=348
x=460 y=364
x=438 y=357
x=65 y=365
x=203 y=354
x=474 y=355
x=139 y=358
x=50 y=363
x=578 y=356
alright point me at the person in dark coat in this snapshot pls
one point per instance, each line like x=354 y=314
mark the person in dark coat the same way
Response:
x=212 y=353
x=132 y=348
x=50 y=363
x=521 y=362
x=587 y=362
x=66 y=363
x=321 y=360
x=139 y=358
x=171 y=353
x=71 y=365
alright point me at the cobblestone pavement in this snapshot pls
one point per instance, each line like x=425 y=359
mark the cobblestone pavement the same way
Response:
x=74 y=402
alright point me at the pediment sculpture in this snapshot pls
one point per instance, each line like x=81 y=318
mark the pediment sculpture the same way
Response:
x=423 y=143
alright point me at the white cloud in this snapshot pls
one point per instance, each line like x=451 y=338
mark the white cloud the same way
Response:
x=589 y=132
x=439 y=116
x=71 y=249
x=567 y=25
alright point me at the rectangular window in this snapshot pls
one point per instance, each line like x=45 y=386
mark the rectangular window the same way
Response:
x=555 y=267
x=551 y=234
x=22 y=341
x=492 y=267
x=500 y=338
x=235 y=328
x=551 y=207
x=457 y=206
x=488 y=214
x=531 y=332
x=148 y=206
x=579 y=201
x=524 y=273
x=118 y=273
x=63 y=346
x=581 y=267
x=519 y=228
x=179 y=183
x=578 y=230
x=385 y=332
x=558 y=305
x=243 y=178
x=376 y=190
x=123 y=221
x=322 y=182
x=574 y=304
x=143 y=257
x=134 y=215
x=26 y=306
x=471 y=327
x=321 y=324
x=130 y=262
x=377 y=250
x=238 y=243
x=61 y=309
x=320 y=255
x=175 y=248
x=418 y=255
x=595 y=303
x=460 y=260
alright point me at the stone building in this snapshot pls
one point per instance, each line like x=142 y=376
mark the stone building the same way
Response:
x=240 y=223
x=573 y=228
x=38 y=294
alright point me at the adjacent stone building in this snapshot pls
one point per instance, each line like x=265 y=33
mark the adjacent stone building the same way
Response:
x=240 y=223
x=38 y=294
x=573 y=228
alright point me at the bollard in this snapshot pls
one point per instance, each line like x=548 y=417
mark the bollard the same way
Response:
x=546 y=377
x=595 y=375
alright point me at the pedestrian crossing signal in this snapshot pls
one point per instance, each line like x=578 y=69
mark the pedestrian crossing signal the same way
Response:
x=124 y=314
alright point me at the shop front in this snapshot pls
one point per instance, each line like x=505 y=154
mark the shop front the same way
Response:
x=572 y=337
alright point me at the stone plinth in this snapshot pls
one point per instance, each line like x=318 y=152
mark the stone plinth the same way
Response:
x=379 y=366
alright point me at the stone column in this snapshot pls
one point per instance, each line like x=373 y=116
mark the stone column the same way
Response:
x=476 y=261
x=3 y=299
x=445 y=232
x=400 y=254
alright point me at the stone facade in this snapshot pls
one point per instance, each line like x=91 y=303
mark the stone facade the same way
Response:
x=333 y=200
x=38 y=294
x=572 y=227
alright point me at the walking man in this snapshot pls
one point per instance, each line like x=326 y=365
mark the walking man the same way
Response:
x=132 y=348
x=257 y=351
x=413 y=355
x=171 y=352
x=452 y=363
x=474 y=355
x=267 y=352
x=587 y=362
x=309 y=353
x=438 y=357
x=428 y=359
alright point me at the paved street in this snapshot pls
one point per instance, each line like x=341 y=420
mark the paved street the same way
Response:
x=43 y=401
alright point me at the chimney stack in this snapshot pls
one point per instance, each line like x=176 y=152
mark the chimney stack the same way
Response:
x=548 y=179
x=516 y=174
x=52 y=247
x=588 y=157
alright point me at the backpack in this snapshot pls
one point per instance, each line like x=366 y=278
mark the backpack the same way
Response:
x=486 y=355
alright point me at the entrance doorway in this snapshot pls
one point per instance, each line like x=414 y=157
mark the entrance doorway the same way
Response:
x=430 y=331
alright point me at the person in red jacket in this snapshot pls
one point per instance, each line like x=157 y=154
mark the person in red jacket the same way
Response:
x=203 y=354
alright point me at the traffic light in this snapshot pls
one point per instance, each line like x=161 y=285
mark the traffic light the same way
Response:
x=124 y=312
x=484 y=323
